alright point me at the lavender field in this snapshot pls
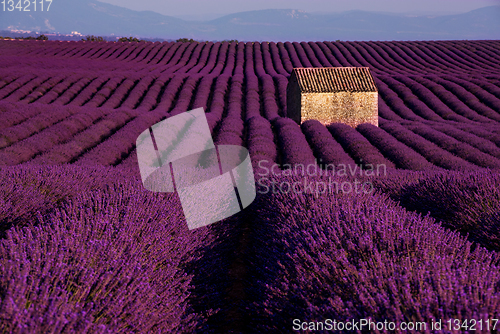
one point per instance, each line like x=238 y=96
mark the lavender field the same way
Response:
x=85 y=248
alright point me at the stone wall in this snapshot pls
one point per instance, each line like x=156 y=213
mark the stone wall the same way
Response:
x=293 y=100
x=351 y=108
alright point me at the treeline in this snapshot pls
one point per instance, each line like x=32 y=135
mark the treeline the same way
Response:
x=190 y=40
x=39 y=38
x=92 y=38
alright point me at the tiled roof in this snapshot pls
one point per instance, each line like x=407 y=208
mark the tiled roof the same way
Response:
x=334 y=79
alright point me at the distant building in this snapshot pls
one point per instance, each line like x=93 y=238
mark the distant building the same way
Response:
x=333 y=95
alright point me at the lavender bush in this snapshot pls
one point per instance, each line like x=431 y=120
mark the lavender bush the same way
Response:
x=400 y=154
x=358 y=146
x=355 y=256
x=465 y=202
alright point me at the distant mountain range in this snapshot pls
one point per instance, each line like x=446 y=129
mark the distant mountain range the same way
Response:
x=89 y=17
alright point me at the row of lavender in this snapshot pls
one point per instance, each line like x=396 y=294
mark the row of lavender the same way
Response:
x=386 y=57
x=271 y=61
x=402 y=97
x=106 y=137
x=410 y=145
x=354 y=256
x=90 y=250
x=236 y=92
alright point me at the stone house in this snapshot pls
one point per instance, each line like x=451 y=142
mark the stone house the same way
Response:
x=333 y=95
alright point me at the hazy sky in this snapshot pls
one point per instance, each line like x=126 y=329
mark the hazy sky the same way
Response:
x=199 y=8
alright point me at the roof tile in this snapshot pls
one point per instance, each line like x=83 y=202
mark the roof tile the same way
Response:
x=334 y=79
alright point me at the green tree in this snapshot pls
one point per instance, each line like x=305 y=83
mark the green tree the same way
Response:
x=92 y=38
x=185 y=40
x=129 y=39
